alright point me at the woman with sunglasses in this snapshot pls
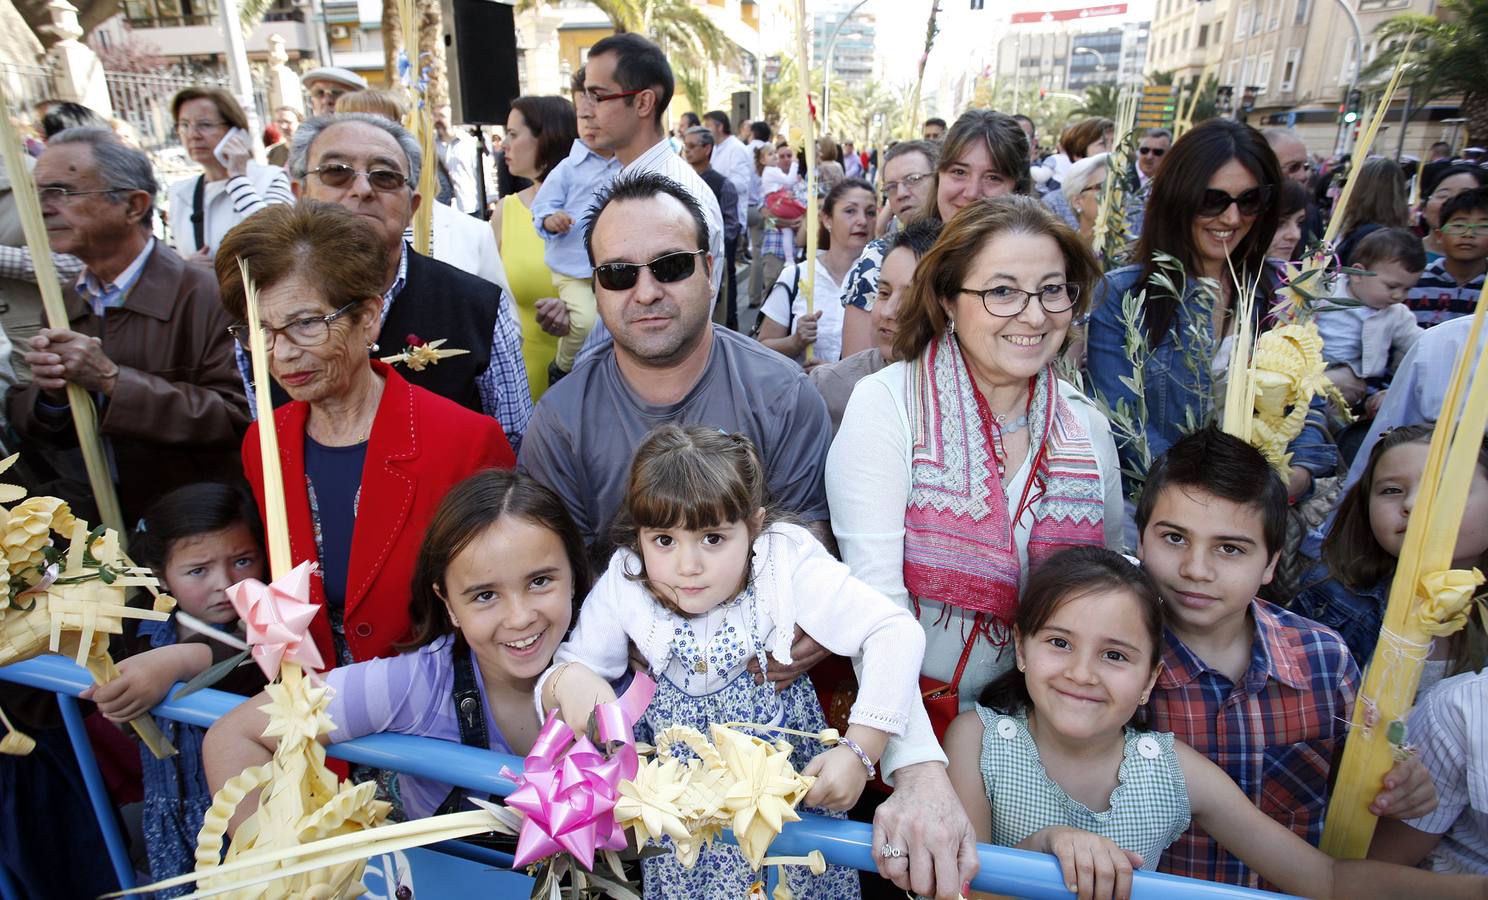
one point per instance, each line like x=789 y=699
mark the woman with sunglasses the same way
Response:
x=1213 y=210
x=985 y=154
x=213 y=129
x=956 y=469
x=366 y=456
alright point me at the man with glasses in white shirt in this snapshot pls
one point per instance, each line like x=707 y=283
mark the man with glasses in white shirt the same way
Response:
x=628 y=84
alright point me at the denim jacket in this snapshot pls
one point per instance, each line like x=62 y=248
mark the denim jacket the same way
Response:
x=1355 y=614
x=1171 y=389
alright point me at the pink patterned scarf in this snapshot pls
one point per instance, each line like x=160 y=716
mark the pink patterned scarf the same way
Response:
x=959 y=546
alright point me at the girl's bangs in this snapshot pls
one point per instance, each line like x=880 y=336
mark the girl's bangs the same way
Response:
x=687 y=491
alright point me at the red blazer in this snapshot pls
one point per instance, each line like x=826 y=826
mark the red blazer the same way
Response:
x=421 y=446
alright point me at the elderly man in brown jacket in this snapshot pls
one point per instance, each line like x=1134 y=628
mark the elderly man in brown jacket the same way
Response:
x=148 y=339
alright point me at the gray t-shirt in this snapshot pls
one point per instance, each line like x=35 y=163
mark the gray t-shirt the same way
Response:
x=586 y=428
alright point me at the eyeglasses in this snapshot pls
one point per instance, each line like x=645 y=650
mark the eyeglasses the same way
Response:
x=1006 y=302
x=311 y=331
x=61 y=195
x=340 y=175
x=1458 y=229
x=198 y=127
x=1155 y=151
x=322 y=93
x=596 y=96
x=671 y=267
x=908 y=182
x=1302 y=165
x=1250 y=203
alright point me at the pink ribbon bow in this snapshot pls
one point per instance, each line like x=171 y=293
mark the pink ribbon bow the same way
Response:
x=568 y=789
x=277 y=618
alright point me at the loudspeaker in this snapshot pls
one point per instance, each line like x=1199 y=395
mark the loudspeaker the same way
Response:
x=739 y=114
x=480 y=47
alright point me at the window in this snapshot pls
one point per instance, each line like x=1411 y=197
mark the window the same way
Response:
x=1346 y=73
x=1203 y=36
x=1185 y=39
x=1232 y=75
x=1218 y=26
x=1303 y=8
x=1263 y=73
x=1289 y=70
x=1370 y=5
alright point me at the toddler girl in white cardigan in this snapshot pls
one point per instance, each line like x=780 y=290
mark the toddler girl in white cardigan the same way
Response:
x=706 y=580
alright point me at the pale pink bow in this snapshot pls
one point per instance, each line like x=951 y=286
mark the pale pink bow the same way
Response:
x=568 y=788
x=277 y=617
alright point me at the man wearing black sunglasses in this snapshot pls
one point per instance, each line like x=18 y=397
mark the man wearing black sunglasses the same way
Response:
x=370 y=166
x=1150 y=152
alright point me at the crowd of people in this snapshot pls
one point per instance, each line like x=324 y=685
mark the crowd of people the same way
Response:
x=967 y=506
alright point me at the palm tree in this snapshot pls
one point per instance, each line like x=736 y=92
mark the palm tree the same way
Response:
x=1446 y=57
x=1101 y=100
x=684 y=31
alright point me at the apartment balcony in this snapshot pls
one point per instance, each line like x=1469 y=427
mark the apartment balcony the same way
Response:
x=187 y=29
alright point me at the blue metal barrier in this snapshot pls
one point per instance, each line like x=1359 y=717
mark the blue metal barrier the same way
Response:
x=1016 y=873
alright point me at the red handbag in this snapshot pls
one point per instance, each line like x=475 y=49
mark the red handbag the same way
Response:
x=942 y=700
x=783 y=204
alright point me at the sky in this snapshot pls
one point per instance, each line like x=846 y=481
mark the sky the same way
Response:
x=971 y=32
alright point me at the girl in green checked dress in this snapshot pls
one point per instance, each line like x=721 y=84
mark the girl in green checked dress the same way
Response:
x=1049 y=762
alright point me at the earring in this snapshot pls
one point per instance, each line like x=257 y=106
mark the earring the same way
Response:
x=373 y=347
x=950 y=325
x=1142 y=701
x=1020 y=667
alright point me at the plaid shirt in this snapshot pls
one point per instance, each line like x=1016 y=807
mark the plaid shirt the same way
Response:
x=1275 y=732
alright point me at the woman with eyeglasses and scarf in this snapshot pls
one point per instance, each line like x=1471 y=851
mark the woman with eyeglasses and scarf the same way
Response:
x=366 y=456
x=1213 y=208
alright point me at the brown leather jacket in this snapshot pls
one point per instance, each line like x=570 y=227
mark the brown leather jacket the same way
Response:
x=177 y=414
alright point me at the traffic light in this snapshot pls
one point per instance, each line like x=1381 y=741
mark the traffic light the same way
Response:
x=1350 y=109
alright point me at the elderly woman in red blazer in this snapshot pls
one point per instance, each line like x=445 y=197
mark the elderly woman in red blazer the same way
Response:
x=366 y=456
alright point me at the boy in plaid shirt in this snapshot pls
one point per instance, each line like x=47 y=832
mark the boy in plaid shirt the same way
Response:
x=1264 y=693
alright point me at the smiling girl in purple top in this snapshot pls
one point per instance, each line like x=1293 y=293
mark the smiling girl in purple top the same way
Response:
x=494 y=590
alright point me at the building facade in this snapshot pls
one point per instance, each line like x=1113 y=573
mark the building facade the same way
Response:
x=1292 y=63
x=853 y=53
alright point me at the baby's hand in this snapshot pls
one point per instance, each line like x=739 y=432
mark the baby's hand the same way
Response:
x=1093 y=867
x=578 y=690
x=142 y=683
x=558 y=222
x=840 y=779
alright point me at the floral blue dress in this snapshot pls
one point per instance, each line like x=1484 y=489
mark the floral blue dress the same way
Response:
x=707 y=681
x=176 y=794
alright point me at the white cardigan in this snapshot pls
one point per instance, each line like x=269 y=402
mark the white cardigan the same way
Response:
x=224 y=203
x=797 y=582
x=868 y=483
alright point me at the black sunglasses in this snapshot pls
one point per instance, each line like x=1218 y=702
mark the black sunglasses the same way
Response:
x=1155 y=151
x=1250 y=203
x=665 y=269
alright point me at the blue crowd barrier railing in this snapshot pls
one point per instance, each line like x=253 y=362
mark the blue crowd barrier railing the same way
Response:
x=1015 y=873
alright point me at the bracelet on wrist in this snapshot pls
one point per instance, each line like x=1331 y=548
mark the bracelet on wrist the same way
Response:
x=852 y=745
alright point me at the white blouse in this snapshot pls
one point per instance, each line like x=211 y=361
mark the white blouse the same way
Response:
x=868 y=485
x=224 y=203
x=826 y=298
x=796 y=582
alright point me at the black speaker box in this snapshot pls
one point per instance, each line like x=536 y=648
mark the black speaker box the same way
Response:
x=480 y=46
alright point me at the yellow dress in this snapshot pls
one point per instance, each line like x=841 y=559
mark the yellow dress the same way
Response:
x=522 y=255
